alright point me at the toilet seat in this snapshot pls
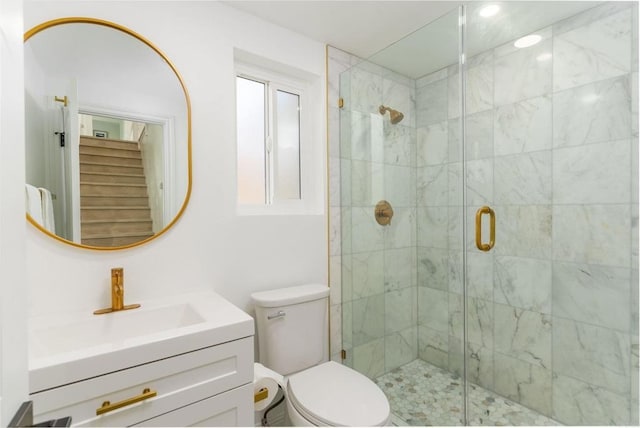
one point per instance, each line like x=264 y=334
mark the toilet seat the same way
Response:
x=335 y=395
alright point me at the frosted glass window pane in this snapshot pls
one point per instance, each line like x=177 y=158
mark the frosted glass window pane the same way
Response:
x=288 y=152
x=251 y=137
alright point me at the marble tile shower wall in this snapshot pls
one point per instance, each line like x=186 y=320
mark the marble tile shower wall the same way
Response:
x=552 y=137
x=552 y=145
x=374 y=266
x=383 y=300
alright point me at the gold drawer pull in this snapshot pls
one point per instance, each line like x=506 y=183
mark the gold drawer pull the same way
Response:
x=108 y=407
x=492 y=230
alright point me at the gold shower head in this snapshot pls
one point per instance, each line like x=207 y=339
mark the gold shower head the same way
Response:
x=394 y=115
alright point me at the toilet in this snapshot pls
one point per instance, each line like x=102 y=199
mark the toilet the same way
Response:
x=293 y=329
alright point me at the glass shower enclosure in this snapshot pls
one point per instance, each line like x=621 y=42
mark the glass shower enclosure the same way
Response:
x=484 y=215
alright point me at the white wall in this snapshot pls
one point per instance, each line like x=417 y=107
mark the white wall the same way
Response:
x=13 y=290
x=210 y=247
x=35 y=135
x=151 y=148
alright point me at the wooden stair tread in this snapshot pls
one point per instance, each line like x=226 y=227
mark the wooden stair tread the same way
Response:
x=110 y=160
x=116 y=174
x=116 y=202
x=110 y=152
x=97 y=139
x=121 y=169
x=100 y=183
x=119 y=235
x=133 y=148
x=110 y=196
x=128 y=220
x=120 y=207
x=114 y=155
x=115 y=242
x=109 y=164
x=103 y=142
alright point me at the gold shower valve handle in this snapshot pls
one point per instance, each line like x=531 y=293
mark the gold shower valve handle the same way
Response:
x=383 y=213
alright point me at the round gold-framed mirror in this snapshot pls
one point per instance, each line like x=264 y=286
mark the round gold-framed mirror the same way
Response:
x=107 y=135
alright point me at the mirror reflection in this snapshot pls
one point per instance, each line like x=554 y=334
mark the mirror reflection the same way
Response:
x=107 y=135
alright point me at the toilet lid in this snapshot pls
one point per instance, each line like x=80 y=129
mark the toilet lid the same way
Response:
x=333 y=394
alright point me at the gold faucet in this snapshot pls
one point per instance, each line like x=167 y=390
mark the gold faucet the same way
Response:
x=117 y=294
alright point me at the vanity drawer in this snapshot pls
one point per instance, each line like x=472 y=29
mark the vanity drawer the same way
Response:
x=230 y=409
x=179 y=381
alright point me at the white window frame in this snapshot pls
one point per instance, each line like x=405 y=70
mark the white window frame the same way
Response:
x=275 y=81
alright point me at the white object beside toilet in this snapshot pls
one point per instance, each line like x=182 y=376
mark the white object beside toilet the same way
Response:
x=293 y=339
x=265 y=380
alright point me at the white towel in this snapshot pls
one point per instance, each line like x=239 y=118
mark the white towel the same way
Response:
x=48 y=220
x=33 y=203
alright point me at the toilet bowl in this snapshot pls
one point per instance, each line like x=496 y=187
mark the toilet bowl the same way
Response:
x=293 y=341
x=331 y=394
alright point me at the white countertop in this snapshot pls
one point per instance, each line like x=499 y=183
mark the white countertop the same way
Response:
x=75 y=346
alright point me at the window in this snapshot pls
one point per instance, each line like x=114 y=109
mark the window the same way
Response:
x=269 y=139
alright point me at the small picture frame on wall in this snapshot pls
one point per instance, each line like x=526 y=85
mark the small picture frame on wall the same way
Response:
x=100 y=134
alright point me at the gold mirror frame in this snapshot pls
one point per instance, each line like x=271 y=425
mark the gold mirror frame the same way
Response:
x=83 y=20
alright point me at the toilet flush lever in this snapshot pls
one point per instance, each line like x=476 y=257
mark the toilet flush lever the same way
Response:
x=278 y=314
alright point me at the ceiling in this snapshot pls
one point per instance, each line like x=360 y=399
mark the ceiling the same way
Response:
x=435 y=46
x=361 y=28
x=98 y=58
x=394 y=33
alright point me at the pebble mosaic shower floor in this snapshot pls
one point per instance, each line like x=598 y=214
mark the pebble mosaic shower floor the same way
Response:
x=421 y=394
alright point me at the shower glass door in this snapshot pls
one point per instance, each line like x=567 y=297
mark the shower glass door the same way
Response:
x=400 y=253
x=484 y=215
x=551 y=152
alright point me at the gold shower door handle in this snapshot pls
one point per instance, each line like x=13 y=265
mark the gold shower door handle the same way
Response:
x=492 y=229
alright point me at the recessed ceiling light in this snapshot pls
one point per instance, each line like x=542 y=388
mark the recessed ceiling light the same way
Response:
x=544 y=56
x=526 y=41
x=489 y=10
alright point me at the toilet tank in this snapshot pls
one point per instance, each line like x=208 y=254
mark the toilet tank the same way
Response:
x=293 y=327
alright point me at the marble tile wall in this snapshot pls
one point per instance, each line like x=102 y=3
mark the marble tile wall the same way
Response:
x=552 y=145
x=373 y=268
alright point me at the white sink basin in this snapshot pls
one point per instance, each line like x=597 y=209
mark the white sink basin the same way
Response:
x=70 y=347
x=112 y=328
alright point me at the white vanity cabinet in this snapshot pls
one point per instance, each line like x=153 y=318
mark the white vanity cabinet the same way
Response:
x=211 y=386
x=198 y=375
